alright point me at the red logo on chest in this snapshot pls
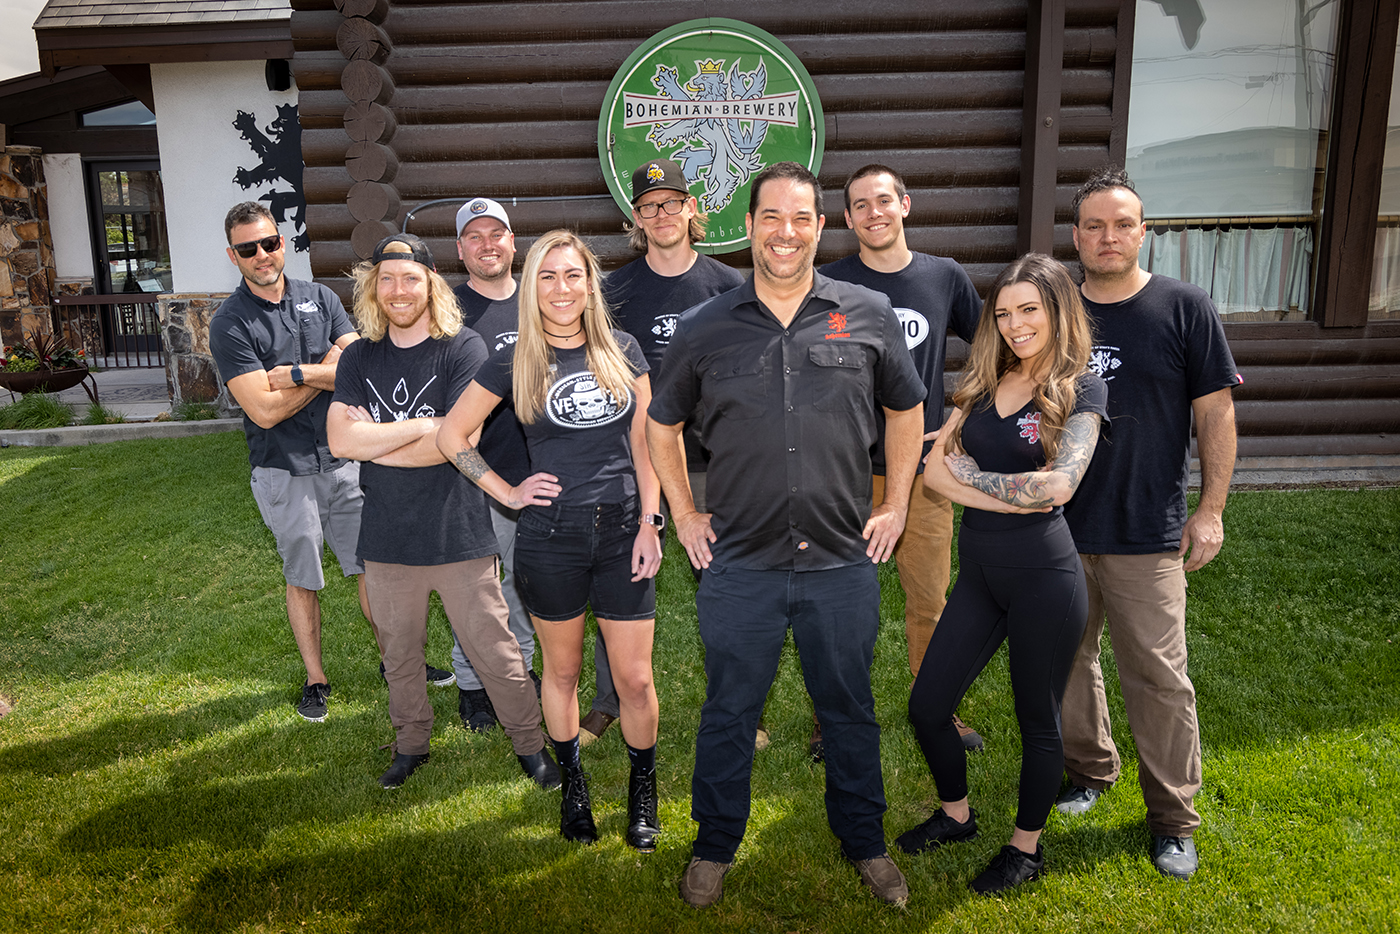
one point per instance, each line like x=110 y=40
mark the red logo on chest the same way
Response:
x=1030 y=427
x=836 y=322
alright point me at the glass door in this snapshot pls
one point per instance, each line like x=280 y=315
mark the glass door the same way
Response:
x=133 y=250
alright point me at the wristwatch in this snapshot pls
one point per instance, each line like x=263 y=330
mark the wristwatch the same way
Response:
x=296 y=374
x=654 y=519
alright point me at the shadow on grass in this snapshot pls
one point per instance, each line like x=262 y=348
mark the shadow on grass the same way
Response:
x=126 y=736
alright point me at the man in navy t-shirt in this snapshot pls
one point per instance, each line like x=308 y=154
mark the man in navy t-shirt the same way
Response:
x=930 y=294
x=646 y=298
x=1160 y=347
x=488 y=299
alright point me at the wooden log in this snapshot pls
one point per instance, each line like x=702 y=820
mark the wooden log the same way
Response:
x=365 y=81
x=949 y=128
x=1291 y=445
x=323 y=147
x=1306 y=350
x=325 y=185
x=367 y=235
x=330 y=221
x=368 y=122
x=1317 y=417
x=314 y=31
x=360 y=40
x=508 y=22
x=371 y=162
x=373 y=201
x=317 y=71
x=1319 y=382
x=373 y=10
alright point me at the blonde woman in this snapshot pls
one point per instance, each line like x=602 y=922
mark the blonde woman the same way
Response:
x=1012 y=452
x=588 y=534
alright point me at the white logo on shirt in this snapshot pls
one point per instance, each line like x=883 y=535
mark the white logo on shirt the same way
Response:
x=578 y=401
x=505 y=339
x=308 y=307
x=400 y=407
x=1104 y=360
x=915 y=326
x=664 y=328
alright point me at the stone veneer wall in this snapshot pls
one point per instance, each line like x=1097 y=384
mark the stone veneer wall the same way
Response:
x=26 y=245
x=190 y=372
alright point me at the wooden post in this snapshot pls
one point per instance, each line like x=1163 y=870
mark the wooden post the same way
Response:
x=1040 y=125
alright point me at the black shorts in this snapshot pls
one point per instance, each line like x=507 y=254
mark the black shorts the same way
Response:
x=571 y=558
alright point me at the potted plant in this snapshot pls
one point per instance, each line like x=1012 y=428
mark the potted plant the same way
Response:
x=40 y=363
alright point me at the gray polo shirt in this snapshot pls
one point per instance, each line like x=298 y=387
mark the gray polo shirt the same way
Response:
x=248 y=333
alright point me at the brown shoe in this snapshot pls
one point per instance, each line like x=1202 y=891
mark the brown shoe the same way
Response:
x=816 y=746
x=761 y=738
x=884 y=880
x=971 y=740
x=593 y=726
x=703 y=882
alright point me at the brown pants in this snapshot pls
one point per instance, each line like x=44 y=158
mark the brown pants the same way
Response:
x=471 y=597
x=1144 y=599
x=924 y=557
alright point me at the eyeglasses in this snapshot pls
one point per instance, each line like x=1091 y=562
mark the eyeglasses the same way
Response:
x=648 y=211
x=269 y=245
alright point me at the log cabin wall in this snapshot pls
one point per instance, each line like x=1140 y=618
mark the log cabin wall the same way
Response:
x=405 y=102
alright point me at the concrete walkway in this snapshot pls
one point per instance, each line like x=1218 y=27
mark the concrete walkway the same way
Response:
x=139 y=395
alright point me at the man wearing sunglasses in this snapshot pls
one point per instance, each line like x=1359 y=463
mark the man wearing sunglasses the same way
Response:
x=646 y=297
x=276 y=342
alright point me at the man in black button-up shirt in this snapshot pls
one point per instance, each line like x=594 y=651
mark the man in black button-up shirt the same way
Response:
x=789 y=368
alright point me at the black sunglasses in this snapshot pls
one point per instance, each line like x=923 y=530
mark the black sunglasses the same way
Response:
x=269 y=245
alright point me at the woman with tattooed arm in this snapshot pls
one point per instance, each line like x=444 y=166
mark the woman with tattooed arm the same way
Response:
x=1012 y=452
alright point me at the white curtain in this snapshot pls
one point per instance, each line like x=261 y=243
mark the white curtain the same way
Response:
x=1259 y=272
x=1385 y=274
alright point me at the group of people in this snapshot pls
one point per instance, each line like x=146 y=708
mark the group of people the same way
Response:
x=518 y=448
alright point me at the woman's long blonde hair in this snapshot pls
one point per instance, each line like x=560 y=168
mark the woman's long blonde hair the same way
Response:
x=533 y=355
x=1071 y=341
x=444 y=316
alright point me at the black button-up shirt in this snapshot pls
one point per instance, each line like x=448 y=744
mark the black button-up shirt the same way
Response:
x=249 y=333
x=789 y=418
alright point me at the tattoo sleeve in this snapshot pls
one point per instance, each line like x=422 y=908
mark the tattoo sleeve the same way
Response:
x=470 y=462
x=1033 y=490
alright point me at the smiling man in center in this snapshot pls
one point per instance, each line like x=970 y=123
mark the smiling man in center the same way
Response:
x=788 y=369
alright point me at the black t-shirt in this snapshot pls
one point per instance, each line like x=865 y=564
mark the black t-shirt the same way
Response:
x=419 y=516
x=502 y=440
x=583 y=435
x=647 y=305
x=1012 y=445
x=930 y=295
x=1157 y=351
x=789 y=416
x=248 y=333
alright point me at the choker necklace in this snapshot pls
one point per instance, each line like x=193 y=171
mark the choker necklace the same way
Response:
x=563 y=337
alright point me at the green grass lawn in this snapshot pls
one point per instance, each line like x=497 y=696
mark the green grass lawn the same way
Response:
x=155 y=776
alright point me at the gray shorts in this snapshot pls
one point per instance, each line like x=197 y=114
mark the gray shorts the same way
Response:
x=305 y=513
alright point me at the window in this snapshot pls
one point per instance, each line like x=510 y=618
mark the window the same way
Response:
x=1227 y=144
x=1385 y=271
x=132 y=113
x=133 y=251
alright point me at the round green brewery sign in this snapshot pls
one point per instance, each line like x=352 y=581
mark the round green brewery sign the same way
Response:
x=723 y=100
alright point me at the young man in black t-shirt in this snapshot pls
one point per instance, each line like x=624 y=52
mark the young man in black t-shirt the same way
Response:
x=488 y=300
x=930 y=294
x=646 y=297
x=1160 y=347
x=424 y=526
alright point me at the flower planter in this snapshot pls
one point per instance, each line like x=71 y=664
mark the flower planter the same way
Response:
x=48 y=381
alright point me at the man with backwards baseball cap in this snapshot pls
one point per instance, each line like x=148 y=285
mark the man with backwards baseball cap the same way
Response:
x=488 y=300
x=424 y=526
x=646 y=297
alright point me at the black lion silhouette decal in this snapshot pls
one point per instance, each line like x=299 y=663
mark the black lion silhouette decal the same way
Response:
x=280 y=151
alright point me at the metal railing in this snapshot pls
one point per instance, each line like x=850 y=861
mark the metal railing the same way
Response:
x=114 y=331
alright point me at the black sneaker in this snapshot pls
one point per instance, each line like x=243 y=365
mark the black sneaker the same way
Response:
x=439 y=678
x=313 y=701
x=1008 y=869
x=404 y=766
x=936 y=831
x=475 y=709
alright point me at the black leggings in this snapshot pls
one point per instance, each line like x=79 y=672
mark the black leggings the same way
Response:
x=1025 y=586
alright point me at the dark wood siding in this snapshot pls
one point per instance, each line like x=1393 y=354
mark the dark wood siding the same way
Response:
x=406 y=102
